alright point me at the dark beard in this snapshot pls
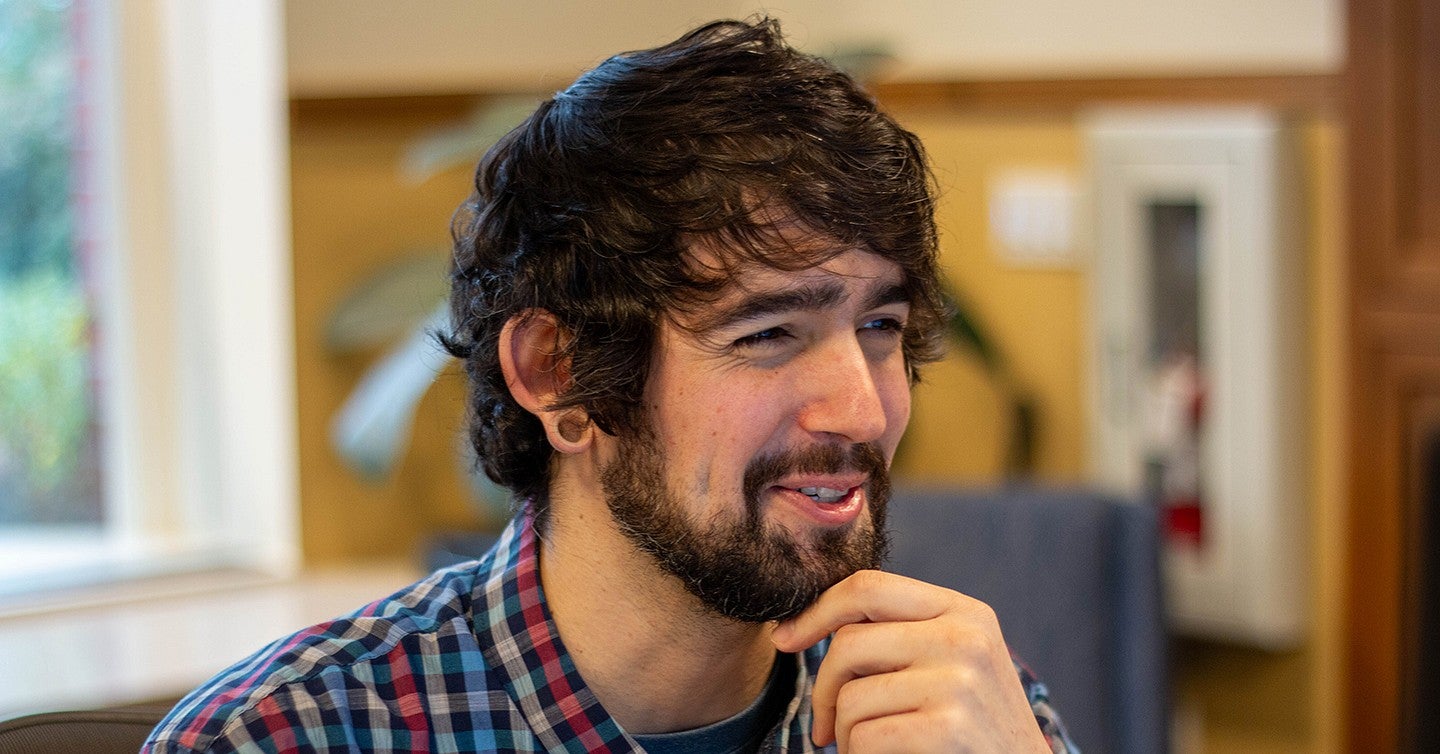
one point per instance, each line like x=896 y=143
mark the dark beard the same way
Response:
x=741 y=568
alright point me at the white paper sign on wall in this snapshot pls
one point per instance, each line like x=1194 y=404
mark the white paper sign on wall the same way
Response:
x=1033 y=216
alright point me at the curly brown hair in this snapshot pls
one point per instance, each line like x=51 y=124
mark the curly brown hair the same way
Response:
x=587 y=208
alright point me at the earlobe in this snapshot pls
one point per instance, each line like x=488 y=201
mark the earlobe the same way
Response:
x=537 y=373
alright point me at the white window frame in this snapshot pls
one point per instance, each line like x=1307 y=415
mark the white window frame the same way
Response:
x=188 y=162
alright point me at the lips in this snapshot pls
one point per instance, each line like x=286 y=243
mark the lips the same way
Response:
x=831 y=503
x=827 y=485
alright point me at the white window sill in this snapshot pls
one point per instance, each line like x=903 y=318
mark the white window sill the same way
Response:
x=157 y=639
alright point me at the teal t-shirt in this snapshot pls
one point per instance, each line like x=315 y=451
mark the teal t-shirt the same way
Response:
x=742 y=732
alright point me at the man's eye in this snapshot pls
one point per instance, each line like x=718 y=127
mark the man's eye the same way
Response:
x=764 y=337
x=884 y=324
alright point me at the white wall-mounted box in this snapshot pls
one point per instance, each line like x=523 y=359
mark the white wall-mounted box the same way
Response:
x=1198 y=352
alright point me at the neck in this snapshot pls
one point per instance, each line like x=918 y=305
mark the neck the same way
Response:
x=654 y=656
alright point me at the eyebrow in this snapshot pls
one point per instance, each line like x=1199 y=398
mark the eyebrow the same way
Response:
x=895 y=293
x=808 y=298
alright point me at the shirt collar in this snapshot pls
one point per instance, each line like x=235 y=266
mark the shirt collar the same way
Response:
x=522 y=645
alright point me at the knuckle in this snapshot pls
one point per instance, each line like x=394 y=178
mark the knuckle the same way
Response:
x=847 y=698
x=965 y=679
x=845 y=635
x=982 y=613
x=973 y=635
x=869 y=735
x=961 y=637
x=948 y=717
x=949 y=724
x=867 y=582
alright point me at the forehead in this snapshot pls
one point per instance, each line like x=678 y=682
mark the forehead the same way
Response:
x=852 y=269
x=839 y=278
x=784 y=251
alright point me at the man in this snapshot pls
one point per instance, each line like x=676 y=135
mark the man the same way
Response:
x=691 y=292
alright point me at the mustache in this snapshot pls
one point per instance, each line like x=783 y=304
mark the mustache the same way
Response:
x=863 y=457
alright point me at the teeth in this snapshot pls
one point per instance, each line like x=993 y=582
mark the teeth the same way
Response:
x=823 y=494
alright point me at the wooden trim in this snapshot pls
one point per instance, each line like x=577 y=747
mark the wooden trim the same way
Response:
x=1422 y=441
x=389 y=105
x=1373 y=643
x=1303 y=91
x=1308 y=91
x=1393 y=189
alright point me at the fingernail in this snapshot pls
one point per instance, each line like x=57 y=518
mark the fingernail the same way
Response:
x=782 y=632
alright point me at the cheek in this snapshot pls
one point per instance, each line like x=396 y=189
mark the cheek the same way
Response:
x=745 y=419
x=899 y=413
x=895 y=397
x=743 y=414
x=712 y=423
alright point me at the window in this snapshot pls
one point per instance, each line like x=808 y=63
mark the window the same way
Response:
x=49 y=459
x=146 y=398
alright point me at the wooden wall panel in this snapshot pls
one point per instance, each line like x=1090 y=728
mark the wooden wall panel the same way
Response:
x=1418 y=133
x=1393 y=98
x=1420 y=674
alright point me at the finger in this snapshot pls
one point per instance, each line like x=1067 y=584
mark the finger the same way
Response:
x=858 y=650
x=909 y=695
x=865 y=596
x=945 y=706
x=955 y=656
x=920 y=730
x=860 y=700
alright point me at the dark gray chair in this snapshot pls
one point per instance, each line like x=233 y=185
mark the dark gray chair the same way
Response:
x=1074 y=576
x=83 y=732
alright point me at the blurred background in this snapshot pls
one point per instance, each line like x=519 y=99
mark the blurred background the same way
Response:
x=222 y=224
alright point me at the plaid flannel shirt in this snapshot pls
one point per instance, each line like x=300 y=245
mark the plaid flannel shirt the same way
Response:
x=467 y=660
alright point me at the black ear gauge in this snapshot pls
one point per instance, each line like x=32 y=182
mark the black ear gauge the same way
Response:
x=571 y=426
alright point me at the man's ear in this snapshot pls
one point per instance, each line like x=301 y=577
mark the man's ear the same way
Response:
x=538 y=373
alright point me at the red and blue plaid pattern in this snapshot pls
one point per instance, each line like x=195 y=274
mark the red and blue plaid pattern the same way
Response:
x=467 y=660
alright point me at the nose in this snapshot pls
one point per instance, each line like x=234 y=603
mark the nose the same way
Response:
x=840 y=395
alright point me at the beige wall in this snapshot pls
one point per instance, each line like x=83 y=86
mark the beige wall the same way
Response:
x=1232 y=699
x=347 y=47
x=959 y=428
x=353 y=213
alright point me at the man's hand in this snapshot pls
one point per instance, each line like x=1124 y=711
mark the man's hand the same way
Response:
x=912 y=667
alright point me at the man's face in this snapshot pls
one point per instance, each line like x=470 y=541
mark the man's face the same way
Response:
x=773 y=413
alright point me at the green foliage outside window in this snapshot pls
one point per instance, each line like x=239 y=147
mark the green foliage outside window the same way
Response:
x=47 y=454
x=44 y=407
